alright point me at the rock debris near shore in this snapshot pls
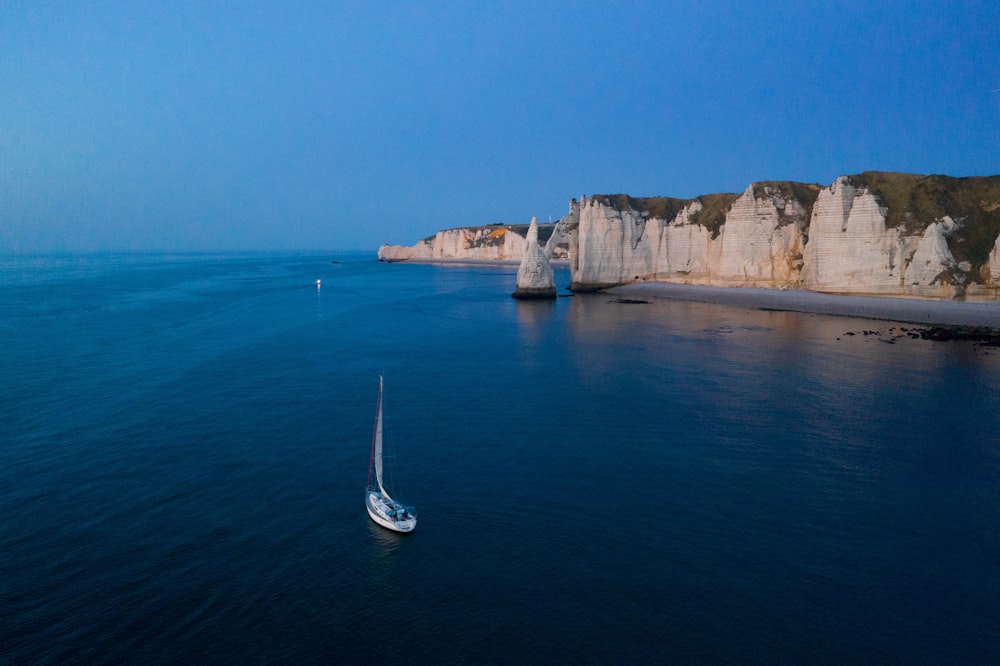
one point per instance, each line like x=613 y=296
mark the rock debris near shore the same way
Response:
x=981 y=335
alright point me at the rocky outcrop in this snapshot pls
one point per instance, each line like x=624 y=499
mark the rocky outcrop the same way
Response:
x=535 y=278
x=993 y=265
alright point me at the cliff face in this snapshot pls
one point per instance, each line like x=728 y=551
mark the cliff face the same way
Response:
x=994 y=265
x=757 y=243
x=491 y=243
x=876 y=233
x=852 y=250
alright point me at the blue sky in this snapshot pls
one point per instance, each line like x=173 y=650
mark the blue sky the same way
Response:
x=324 y=125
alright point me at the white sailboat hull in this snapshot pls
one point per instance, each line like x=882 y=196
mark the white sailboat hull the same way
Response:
x=384 y=510
x=388 y=513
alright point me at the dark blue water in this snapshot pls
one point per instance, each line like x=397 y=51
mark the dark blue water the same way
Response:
x=184 y=443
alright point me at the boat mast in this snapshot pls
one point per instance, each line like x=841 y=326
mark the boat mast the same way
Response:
x=376 y=436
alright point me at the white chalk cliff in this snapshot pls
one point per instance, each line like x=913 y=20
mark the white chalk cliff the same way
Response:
x=535 y=278
x=874 y=233
x=494 y=242
x=851 y=250
x=993 y=271
x=835 y=239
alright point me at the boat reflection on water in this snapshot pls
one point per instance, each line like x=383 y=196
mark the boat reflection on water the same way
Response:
x=388 y=541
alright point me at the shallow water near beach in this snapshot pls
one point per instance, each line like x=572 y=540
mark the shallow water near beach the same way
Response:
x=184 y=443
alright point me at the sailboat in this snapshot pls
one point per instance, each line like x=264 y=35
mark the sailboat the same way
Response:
x=384 y=510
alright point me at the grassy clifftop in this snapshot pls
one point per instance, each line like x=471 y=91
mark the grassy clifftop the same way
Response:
x=712 y=215
x=914 y=202
x=715 y=207
x=664 y=208
x=804 y=193
x=493 y=234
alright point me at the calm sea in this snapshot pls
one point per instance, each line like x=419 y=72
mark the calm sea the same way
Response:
x=184 y=443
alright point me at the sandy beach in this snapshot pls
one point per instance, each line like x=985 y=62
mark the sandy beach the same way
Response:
x=908 y=310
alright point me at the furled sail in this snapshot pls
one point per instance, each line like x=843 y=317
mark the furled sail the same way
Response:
x=378 y=441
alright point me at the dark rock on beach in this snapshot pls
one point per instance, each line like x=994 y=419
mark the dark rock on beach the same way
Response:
x=988 y=337
x=982 y=335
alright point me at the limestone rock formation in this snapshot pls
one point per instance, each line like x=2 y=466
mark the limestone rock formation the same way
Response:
x=875 y=233
x=754 y=239
x=535 y=278
x=493 y=242
x=994 y=264
x=850 y=249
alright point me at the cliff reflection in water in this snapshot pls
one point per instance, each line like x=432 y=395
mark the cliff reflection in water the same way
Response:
x=816 y=355
x=534 y=317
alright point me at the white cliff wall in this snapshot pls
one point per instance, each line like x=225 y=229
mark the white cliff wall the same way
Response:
x=760 y=245
x=399 y=252
x=931 y=259
x=761 y=242
x=613 y=246
x=772 y=240
x=994 y=264
x=850 y=250
x=477 y=243
x=686 y=252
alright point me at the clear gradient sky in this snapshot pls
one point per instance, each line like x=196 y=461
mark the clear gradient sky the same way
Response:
x=325 y=125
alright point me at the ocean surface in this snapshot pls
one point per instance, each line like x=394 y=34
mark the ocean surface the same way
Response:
x=184 y=444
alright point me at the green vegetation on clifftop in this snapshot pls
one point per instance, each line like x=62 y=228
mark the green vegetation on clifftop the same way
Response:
x=715 y=208
x=914 y=202
x=804 y=193
x=711 y=216
x=492 y=235
x=664 y=208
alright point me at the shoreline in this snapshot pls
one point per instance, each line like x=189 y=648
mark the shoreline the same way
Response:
x=884 y=308
x=881 y=308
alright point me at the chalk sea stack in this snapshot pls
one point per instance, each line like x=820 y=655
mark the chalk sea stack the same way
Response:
x=534 y=276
